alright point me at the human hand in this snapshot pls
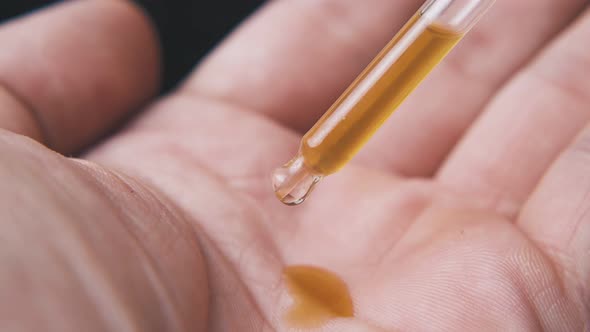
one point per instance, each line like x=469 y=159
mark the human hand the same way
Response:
x=444 y=222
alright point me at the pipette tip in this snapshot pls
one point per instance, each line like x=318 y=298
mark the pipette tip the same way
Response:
x=294 y=181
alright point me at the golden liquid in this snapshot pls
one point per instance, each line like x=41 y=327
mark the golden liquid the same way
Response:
x=318 y=295
x=355 y=117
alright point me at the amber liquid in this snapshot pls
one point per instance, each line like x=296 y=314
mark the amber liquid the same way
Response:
x=318 y=296
x=375 y=94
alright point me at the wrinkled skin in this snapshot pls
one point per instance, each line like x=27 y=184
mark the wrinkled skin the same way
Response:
x=467 y=212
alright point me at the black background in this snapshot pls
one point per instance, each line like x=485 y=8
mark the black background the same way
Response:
x=187 y=28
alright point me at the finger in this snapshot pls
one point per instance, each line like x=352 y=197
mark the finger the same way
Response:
x=429 y=124
x=297 y=74
x=71 y=72
x=556 y=217
x=527 y=125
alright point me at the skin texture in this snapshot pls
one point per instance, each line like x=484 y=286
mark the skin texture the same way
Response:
x=477 y=220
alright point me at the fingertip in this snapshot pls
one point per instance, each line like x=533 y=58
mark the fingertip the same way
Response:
x=82 y=65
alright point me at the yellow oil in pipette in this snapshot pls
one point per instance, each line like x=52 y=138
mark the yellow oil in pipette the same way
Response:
x=367 y=103
x=328 y=147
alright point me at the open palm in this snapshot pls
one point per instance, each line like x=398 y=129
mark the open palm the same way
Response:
x=467 y=212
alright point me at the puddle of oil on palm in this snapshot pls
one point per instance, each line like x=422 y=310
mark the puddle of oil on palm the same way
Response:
x=318 y=296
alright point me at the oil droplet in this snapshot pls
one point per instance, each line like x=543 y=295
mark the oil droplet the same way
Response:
x=319 y=295
x=294 y=181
